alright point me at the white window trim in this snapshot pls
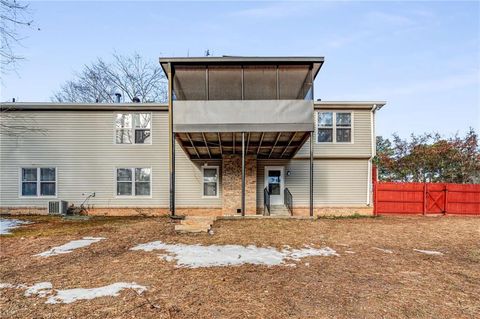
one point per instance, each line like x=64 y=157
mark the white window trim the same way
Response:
x=133 y=196
x=203 y=181
x=334 y=127
x=131 y=129
x=20 y=182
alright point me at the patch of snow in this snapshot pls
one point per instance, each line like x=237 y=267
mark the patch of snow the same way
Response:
x=349 y=252
x=7 y=224
x=387 y=251
x=195 y=256
x=70 y=246
x=41 y=289
x=429 y=252
x=45 y=289
x=72 y=295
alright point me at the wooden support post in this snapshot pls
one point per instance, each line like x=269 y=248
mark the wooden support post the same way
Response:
x=374 y=185
x=445 y=200
x=424 y=210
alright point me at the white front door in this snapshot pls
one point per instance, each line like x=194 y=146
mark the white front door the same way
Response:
x=274 y=182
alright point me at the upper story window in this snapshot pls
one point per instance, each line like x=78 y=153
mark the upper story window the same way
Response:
x=334 y=127
x=39 y=182
x=133 y=128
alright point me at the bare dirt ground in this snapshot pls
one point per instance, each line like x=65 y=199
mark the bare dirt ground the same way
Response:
x=369 y=283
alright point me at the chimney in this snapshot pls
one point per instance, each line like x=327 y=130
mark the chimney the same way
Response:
x=118 y=97
x=13 y=100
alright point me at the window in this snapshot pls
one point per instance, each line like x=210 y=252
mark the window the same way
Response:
x=133 y=128
x=133 y=181
x=334 y=127
x=39 y=182
x=344 y=127
x=210 y=181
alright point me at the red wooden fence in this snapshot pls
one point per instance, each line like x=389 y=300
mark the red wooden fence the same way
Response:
x=425 y=198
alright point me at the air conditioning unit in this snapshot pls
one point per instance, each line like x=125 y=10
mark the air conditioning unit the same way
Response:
x=57 y=207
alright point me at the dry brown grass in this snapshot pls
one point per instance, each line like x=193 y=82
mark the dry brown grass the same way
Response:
x=367 y=284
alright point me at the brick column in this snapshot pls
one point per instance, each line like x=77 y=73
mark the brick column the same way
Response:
x=232 y=184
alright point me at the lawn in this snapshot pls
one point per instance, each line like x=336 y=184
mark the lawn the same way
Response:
x=377 y=271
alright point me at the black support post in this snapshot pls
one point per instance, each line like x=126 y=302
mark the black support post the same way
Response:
x=243 y=173
x=171 y=142
x=311 y=173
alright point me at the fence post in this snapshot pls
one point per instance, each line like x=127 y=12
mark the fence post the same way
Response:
x=374 y=185
x=445 y=200
x=424 y=199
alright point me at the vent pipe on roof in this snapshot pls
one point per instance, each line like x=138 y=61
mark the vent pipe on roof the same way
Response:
x=13 y=100
x=118 y=97
x=136 y=99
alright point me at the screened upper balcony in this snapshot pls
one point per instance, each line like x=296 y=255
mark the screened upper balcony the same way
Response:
x=242 y=78
x=241 y=94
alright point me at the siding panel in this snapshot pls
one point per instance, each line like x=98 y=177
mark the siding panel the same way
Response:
x=362 y=140
x=81 y=146
x=336 y=181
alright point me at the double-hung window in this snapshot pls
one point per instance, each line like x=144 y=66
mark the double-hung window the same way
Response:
x=133 y=181
x=39 y=182
x=210 y=181
x=133 y=128
x=334 y=127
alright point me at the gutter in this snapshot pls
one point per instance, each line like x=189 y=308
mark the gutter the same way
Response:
x=375 y=107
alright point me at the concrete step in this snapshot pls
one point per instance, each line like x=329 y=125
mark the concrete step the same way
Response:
x=279 y=210
x=195 y=224
x=206 y=223
x=191 y=229
x=209 y=218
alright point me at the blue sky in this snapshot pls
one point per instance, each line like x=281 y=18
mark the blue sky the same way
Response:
x=423 y=58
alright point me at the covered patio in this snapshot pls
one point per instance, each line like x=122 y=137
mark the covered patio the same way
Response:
x=260 y=108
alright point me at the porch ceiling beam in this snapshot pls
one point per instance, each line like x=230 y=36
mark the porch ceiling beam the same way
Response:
x=260 y=144
x=220 y=143
x=289 y=142
x=193 y=145
x=276 y=140
x=206 y=145
x=228 y=144
x=304 y=139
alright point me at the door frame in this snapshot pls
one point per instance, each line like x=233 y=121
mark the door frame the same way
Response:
x=282 y=182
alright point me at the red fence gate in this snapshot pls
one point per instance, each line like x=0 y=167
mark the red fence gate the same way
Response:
x=425 y=198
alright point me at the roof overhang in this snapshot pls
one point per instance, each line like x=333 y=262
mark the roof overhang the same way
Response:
x=354 y=105
x=168 y=62
x=52 y=106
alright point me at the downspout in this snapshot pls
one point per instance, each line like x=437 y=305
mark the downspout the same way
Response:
x=373 y=153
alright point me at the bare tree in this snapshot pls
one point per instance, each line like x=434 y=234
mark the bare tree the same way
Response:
x=131 y=76
x=17 y=124
x=13 y=15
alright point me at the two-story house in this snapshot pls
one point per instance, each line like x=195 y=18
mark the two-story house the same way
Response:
x=239 y=135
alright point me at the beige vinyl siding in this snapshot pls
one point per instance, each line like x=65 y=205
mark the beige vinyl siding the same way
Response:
x=336 y=182
x=362 y=139
x=80 y=144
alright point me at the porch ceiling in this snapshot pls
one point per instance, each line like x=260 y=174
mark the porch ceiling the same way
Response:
x=274 y=145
